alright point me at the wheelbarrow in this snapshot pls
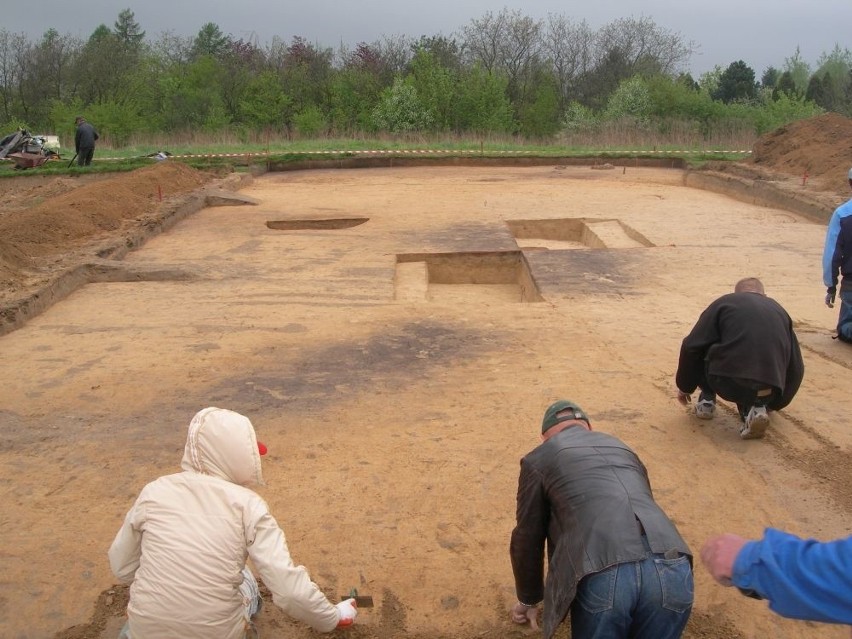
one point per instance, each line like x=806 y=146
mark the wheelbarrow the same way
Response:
x=25 y=160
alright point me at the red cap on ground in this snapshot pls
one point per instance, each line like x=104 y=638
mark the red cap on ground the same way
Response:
x=261 y=448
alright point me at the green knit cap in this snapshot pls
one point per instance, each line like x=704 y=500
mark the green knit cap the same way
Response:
x=550 y=415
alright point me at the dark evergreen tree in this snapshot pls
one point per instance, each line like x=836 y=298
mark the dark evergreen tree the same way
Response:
x=736 y=84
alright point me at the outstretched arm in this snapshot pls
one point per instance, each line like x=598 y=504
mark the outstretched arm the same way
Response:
x=801 y=578
x=291 y=586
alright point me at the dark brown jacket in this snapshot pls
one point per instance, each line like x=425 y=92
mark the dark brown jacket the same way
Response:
x=743 y=335
x=584 y=493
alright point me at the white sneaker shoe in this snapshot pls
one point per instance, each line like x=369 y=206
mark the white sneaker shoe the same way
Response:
x=754 y=426
x=705 y=408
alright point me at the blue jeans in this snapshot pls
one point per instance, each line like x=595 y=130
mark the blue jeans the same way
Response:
x=648 y=599
x=844 y=320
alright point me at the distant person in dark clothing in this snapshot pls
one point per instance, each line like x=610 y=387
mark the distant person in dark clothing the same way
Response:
x=84 y=141
x=744 y=349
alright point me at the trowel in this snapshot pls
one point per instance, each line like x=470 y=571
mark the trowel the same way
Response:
x=361 y=601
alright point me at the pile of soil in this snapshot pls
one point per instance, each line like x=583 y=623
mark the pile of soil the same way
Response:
x=41 y=222
x=820 y=147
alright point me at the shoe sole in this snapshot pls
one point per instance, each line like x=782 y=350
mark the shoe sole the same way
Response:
x=757 y=428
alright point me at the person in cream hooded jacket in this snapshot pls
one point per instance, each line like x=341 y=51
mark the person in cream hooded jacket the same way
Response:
x=184 y=544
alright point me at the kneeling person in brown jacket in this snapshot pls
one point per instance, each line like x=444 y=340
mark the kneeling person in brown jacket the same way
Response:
x=616 y=561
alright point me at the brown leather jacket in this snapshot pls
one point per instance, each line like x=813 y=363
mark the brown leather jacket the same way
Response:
x=587 y=494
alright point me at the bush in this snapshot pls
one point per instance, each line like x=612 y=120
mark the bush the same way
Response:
x=400 y=111
x=310 y=122
x=579 y=119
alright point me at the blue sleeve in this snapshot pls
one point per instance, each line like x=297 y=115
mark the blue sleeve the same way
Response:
x=829 y=277
x=801 y=578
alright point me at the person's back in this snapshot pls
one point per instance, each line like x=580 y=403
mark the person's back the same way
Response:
x=84 y=141
x=193 y=528
x=586 y=497
x=597 y=489
x=184 y=544
x=754 y=339
x=743 y=348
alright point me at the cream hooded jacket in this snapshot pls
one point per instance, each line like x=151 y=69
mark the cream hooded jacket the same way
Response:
x=185 y=542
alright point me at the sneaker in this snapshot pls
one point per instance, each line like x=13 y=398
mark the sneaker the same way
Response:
x=755 y=423
x=704 y=408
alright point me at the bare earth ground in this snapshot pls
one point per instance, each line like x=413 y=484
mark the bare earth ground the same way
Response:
x=396 y=398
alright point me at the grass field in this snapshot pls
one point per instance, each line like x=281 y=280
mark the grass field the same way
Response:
x=231 y=150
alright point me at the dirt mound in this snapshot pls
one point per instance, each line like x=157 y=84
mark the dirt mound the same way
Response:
x=80 y=214
x=819 y=146
x=46 y=221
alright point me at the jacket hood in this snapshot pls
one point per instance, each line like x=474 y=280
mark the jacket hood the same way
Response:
x=223 y=444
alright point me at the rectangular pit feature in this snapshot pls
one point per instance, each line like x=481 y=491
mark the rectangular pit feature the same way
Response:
x=575 y=233
x=469 y=276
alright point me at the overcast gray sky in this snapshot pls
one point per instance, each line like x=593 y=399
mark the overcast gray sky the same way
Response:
x=759 y=32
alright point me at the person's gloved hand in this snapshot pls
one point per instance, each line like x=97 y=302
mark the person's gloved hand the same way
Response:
x=830 y=294
x=347 y=611
x=522 y=614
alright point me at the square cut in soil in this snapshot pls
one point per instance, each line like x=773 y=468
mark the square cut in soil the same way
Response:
x=575 y=233
x=464 y=277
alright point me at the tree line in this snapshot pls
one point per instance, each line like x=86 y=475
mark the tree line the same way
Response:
x=502 y=73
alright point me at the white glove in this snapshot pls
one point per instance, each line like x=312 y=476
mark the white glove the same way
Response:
x=347 y=611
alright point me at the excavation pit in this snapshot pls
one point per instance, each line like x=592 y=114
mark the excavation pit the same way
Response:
x=464 y=277
x=576 y=233
x=324 y=224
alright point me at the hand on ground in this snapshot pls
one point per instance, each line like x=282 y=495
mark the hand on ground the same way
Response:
x=522 y=614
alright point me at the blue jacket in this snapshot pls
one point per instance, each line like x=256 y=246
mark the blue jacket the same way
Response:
x=837 y=255
x=801 y=578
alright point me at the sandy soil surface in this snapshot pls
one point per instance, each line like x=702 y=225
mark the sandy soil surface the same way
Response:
x=397 y=368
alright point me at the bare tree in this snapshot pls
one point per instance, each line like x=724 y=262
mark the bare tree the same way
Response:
x=569 y=49
x=53 y=58
x=519 y=50
x=481 y=40
x=173 y=49
x=628 y=47
x=26 y=88
x=508 y=43
x=644 y=46
x=395 y=52
x=8 y=73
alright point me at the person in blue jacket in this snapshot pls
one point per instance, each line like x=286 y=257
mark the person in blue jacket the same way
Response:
x=801 y=578
x=837 y=259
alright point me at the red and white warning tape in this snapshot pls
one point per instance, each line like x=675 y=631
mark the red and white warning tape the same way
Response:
x=418 y=152
x=609 y=152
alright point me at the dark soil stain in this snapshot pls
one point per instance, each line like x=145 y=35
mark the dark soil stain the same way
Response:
x=389 y=359
x=468 y=237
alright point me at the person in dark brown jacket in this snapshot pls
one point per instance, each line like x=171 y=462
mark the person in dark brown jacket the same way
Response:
x=616 y=562
x=744 y=349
